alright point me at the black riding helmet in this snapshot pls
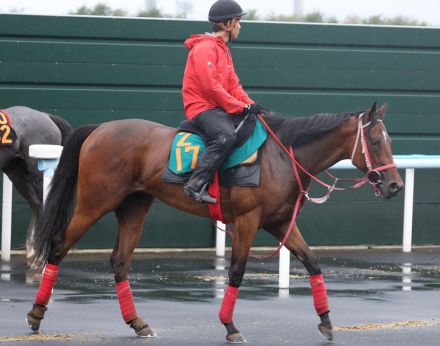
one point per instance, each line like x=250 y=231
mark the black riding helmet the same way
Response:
x=223 y=10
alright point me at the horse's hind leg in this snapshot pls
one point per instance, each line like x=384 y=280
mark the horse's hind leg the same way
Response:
x=298 y=246
x=131 y=214
x=30 y=186
x=81 y=221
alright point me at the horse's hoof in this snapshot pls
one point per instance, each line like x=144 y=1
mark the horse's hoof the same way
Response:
x=326 y=330
x=35 y=316
x=235 y=338
x=146 y=332
x=33 y=323
x=142 y=329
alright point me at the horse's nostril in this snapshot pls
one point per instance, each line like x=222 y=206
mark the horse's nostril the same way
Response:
x=394 y=187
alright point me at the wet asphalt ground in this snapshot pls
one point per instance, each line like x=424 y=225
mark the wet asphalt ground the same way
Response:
x=377 y=297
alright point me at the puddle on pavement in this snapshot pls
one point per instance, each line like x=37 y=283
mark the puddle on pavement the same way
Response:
x=203 y=277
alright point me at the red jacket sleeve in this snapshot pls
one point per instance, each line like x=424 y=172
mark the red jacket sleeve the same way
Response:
x=205 y=59
x=236 y=89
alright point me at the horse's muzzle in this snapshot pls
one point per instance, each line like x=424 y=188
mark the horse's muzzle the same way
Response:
x=393 y=189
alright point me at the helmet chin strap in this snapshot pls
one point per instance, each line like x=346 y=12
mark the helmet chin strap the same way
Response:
x=228 y=30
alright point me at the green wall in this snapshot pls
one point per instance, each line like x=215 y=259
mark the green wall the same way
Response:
x=91 y=70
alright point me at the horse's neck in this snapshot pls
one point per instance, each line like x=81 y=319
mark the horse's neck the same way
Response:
x=323 y=153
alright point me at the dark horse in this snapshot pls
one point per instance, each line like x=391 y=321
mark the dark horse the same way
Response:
x=118 y=165
x=30 y=127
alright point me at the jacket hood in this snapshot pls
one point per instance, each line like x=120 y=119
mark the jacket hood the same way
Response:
x=195 y=39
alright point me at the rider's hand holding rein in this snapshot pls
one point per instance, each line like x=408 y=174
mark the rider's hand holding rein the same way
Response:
x=254 y=108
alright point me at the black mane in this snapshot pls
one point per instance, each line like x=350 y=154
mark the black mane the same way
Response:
x=303 y=130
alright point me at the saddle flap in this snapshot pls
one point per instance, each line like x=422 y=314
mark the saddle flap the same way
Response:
x=185 y=151
x=187 y=148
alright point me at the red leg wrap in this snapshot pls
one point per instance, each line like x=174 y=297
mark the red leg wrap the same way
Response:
x=126 y=303
x=47 y=282
x=228 y=304
x=319 y=293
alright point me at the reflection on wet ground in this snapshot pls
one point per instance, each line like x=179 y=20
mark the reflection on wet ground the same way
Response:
x=381 y=297
x=201 y=276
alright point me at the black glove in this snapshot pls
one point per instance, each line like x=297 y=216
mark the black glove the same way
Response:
x=254 y=108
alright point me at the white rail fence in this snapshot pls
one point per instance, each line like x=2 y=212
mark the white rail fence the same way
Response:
x=409 y=162
x=48 y=158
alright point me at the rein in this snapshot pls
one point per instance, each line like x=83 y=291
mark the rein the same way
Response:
x=373 y=176
x=358 y=182
x=292 y=220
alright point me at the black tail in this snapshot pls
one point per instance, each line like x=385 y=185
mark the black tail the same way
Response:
x=63 y=125
x=58 y=207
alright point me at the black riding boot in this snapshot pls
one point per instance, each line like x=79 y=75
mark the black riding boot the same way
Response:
x=196 y=188
x=218 y=126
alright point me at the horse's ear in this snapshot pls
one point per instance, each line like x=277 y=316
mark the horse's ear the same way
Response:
x=369 y=114
x=372 y=110
x=381 y=111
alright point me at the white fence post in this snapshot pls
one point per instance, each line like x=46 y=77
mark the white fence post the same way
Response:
x=220 y=239
x=408 y=210
x=6 y=218
x=284 y=268
x=48 y=156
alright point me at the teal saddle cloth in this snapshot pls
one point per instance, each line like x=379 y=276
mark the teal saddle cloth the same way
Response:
x=187 y=147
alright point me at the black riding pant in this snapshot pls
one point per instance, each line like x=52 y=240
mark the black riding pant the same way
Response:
x=218 y=126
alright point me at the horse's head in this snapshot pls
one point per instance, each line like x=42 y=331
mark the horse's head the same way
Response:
x=372 y=152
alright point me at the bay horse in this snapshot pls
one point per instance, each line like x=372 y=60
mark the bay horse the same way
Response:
x=30 y=126
x=117 y=166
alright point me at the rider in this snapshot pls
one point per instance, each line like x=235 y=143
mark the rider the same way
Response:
x=212 y=93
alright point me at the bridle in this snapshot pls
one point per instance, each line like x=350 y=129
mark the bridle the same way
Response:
x=374 y=174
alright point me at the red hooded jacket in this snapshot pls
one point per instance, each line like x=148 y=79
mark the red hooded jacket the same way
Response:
x=210 y=80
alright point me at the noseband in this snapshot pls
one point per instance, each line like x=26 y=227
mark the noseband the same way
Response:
x=374 y=174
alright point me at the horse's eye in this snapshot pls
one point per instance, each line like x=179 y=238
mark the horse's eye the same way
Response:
x=376 y=143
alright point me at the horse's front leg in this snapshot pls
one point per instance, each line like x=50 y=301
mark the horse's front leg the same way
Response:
x=131 y=214
x=298 y=246
x=243 y=236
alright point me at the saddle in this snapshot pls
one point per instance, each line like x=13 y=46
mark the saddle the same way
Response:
x=241 y=168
